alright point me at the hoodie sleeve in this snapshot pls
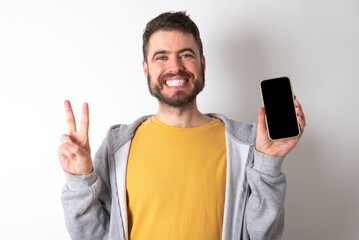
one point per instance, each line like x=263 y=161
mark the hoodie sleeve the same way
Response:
x=86 y=201
x=264 y=214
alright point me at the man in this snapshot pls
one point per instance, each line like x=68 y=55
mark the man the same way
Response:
x=179 y=174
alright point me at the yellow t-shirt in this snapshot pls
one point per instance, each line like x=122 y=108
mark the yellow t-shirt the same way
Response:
x=176 y=181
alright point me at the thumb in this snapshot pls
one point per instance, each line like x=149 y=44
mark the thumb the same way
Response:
x=82 y=163
x=261 y=120
x=81 y=154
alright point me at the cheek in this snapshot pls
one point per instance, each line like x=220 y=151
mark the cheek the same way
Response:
x=196 y=69
x=194 y=66
x=156 y=71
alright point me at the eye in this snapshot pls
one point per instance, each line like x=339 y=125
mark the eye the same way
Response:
x=161 y=58
x=186 y=56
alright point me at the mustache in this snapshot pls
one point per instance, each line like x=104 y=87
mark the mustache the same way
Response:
x=180 y=74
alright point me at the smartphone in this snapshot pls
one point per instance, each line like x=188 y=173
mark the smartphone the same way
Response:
x=278 y=101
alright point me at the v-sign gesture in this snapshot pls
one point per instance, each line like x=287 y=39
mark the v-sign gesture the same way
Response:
x=74 y=152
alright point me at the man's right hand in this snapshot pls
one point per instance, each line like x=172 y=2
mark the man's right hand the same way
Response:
x=74 y=152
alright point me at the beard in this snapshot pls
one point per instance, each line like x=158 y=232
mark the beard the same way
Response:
x=180 y=99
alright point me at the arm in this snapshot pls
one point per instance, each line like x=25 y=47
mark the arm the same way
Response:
x=85 y=196
x=85 y=216
x=264 y=216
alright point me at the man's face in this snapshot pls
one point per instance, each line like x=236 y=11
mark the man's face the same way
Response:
x=174 y=68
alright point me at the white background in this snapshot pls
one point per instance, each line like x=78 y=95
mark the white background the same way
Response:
x=91 y=51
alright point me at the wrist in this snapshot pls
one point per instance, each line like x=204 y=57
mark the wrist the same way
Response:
x=268 y=164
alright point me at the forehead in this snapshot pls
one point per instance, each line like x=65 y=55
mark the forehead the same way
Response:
x=171 y=41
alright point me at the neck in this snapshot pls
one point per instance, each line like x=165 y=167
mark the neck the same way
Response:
x=184 y=117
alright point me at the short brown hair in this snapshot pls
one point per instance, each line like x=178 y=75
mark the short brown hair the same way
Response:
x=169 y=21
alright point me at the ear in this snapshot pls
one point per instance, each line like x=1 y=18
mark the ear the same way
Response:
x=145 y=67
x=203 y=60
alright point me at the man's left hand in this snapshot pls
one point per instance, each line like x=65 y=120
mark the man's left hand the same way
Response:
x=279 y=147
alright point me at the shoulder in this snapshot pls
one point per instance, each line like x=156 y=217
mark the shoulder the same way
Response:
x=239 y=131
x=119 y=134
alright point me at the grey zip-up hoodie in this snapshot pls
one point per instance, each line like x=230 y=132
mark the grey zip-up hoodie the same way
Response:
x=95 y=205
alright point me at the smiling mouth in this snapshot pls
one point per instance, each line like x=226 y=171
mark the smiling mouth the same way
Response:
x=176 y=82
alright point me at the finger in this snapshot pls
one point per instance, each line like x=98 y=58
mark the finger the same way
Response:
x=297 y=104
x=64 y=152
x=261 y=120
x=66 y=139
x=70 y=118
x=77 y=151
x=84 y=125
x=301 y=121
x=299 y=110
x=81 y=156
x=301 y=124
x=71 y=150
x=300 y=116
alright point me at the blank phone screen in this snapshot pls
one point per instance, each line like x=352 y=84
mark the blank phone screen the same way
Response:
x=280 y=110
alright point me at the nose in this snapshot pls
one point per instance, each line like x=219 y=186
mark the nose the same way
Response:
x=175 y=64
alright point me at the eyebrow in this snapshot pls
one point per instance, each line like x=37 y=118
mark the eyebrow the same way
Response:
x=167 y=52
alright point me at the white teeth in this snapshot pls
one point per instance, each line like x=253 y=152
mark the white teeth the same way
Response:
x=175 y=82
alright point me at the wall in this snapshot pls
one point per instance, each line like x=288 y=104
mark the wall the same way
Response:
x=91 y=51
